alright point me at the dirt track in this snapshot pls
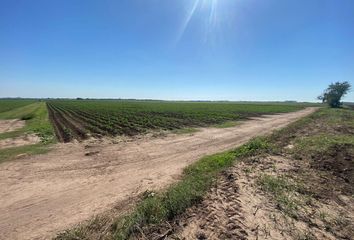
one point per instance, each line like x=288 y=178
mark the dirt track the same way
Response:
x=44 y=194
x=10 y=125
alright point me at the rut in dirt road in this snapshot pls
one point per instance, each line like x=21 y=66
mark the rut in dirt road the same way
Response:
x=44 y=194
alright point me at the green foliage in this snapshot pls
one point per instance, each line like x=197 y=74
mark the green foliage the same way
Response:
x=37 y=121
x=9 y=104
x=327 y=129
x=334 y=93
x=113 y=117
x=256 y=146
x=321 y=144
x=28 y=116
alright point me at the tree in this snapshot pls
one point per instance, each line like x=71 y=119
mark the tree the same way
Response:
x=334 y=93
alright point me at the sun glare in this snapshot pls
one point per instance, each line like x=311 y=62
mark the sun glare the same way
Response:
x=206 y=7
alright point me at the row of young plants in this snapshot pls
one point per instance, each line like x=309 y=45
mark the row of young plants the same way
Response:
x=80 y=118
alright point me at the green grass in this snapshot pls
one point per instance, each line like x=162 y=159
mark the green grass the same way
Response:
x=9 y=153
x=227 y=124
x=325 y=129
x=321 y=143
x=37 y=122
x=9 y=104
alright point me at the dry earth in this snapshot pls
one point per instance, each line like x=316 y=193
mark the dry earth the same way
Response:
x=26 y=139
x=11 y=125
x=44 y=194
x=236 y=208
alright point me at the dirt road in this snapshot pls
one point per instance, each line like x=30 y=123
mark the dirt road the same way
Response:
x=44 y=194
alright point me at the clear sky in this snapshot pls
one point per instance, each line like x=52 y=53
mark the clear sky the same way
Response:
x=175 y=49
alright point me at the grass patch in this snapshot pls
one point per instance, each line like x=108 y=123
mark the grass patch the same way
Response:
x=37 y=121
x=321 y=144
x=9 y=153
x=228 y=124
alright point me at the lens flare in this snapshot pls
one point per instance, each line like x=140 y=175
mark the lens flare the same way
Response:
x=205 y=7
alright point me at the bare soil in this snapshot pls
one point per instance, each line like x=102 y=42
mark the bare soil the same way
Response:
x=26 y=139
x=44 y=194
x=236 y=208
x=11 y=125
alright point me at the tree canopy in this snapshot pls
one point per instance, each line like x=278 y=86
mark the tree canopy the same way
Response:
x=334 y=93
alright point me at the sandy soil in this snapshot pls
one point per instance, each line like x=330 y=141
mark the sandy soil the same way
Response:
x=44 y=194
x=236 y=208
x=19 y=141
x=11 y=125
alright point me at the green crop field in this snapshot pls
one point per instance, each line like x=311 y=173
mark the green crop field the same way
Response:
x=81 y=118
x=9 y=104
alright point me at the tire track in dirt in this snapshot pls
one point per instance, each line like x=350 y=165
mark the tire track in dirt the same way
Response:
x=44 y=194
x=235 y=208
x=219 y=216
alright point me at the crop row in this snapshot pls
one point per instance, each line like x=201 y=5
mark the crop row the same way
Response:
x=82 y=118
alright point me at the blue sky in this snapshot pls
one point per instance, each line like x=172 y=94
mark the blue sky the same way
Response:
x=175 y=49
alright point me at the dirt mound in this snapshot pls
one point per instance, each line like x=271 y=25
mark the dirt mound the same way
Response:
x=11 y=125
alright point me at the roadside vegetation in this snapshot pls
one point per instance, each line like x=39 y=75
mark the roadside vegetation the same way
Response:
x=156 y=208
x=305 y=171
x=37 y=123
x=78 y=119
x=9 y=104
x=36 y=117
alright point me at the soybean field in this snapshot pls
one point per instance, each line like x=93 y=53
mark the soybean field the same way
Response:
x=79 y=119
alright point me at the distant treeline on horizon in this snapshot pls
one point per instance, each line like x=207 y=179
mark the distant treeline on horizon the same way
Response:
x=158 y=100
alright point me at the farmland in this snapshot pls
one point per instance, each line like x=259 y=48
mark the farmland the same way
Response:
x=78 y=119
x=32 y=119
x=295 y=183
x=9 y=104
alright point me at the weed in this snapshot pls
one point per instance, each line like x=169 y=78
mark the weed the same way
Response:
x=283 y=190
